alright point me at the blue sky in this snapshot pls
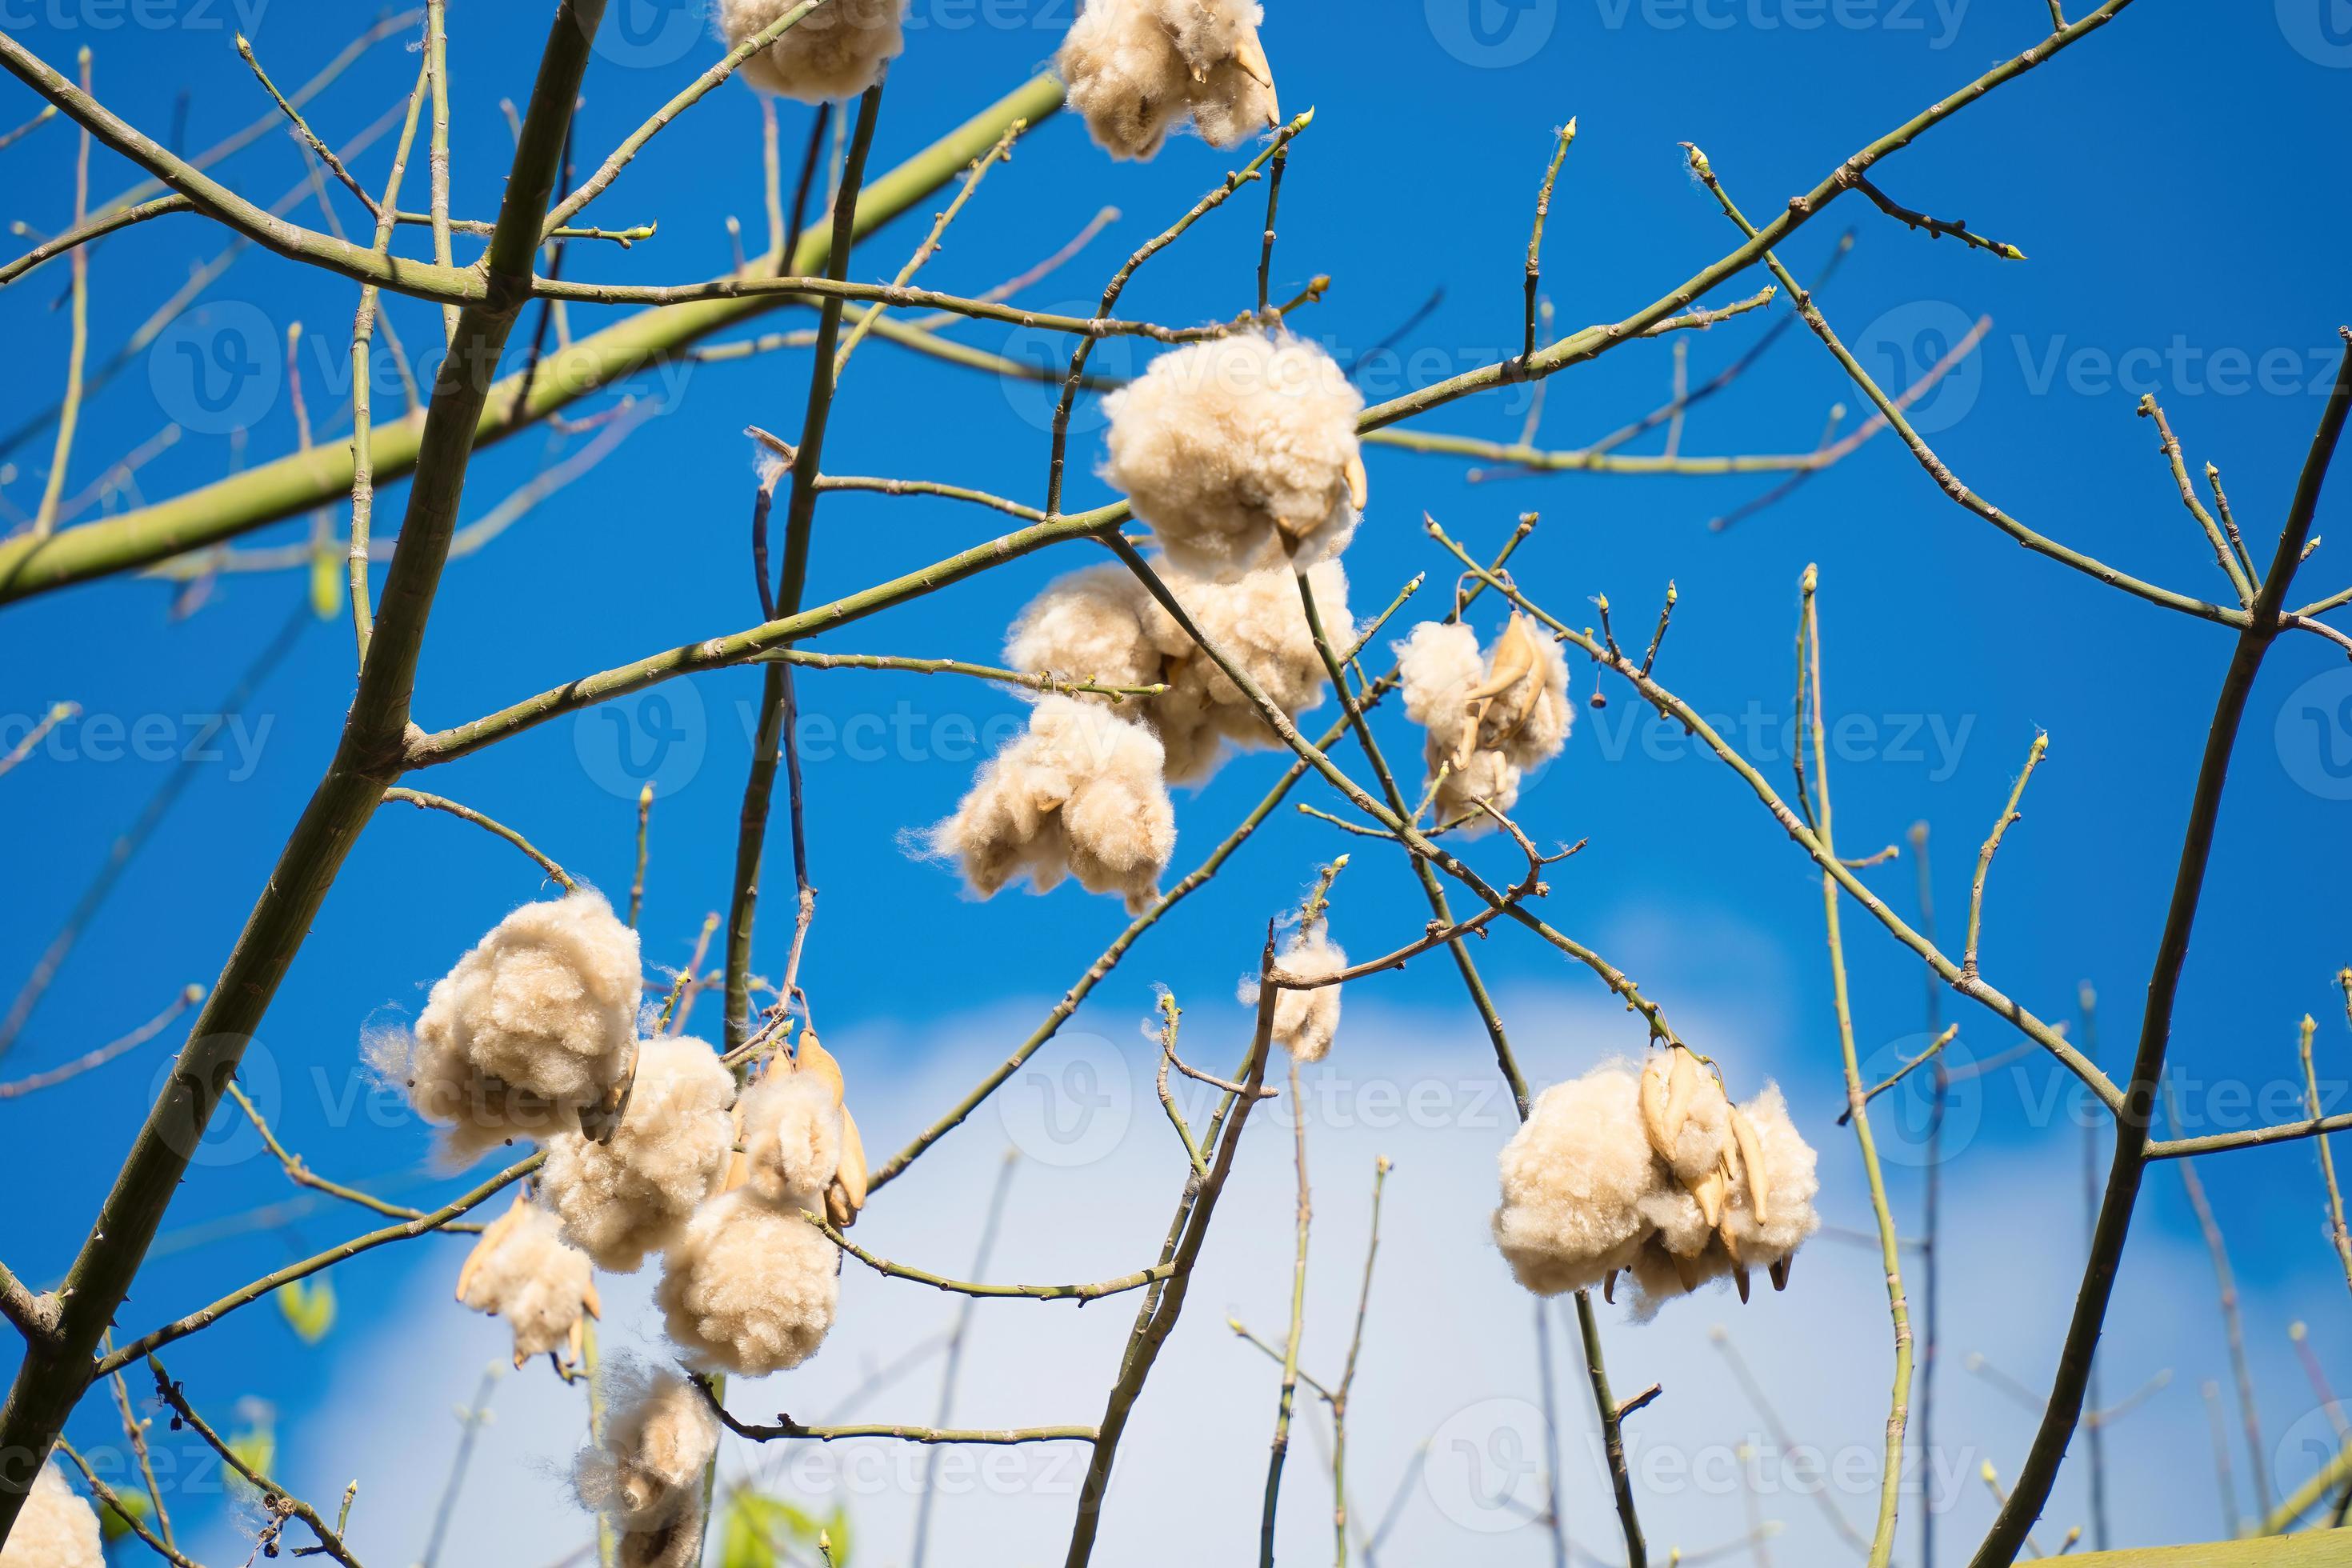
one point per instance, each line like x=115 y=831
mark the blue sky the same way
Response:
x=2183 y=242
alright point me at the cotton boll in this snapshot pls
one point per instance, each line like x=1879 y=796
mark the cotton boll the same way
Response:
x=1126 y=77
x=748 y=1287
x=1542 y=734
x=1089 y=626
x=621 y=1200
x=1305 y=1022
x=537 y=1022
x=1234 y=102
x=521 y=1271
x=1136 y=68
x=56 y=1528
x=1574 y=1178
x=792 y=1137
x=1079 y=793
x=836 y=51
x=1437 y=662
x=1790 y=1184
x=660 y=1434
x=1259 y=621
x=1241 y=453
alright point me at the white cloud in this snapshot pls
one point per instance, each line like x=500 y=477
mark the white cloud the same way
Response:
x=1449 y=1351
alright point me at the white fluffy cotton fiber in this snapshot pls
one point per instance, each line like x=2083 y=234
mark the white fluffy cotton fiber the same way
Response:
x=621 y=1200
x=835 y=51
x=1241 y=453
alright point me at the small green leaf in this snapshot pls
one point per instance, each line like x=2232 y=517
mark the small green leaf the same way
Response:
x=255 y=1444
x=757 y=1528
x=115 y=1525
x=308 y=1308
x=326 y=584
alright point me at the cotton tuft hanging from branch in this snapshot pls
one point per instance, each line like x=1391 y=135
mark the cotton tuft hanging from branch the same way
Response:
x=1657 y=1174
x=534 y=1027
x=645 y=1478
x=621 y=1200
x=1137 y=69
x=835 y=51
x=1241 y=453
x=750 y=1285
x=1487 y=717
x=1080 y=794
x=521 y=1271
x=1101 y=623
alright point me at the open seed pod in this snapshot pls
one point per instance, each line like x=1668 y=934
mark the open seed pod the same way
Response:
x=1497 y=707
x=844 y=1195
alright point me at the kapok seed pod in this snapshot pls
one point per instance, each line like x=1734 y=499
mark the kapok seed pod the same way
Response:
x=1682 y=1087
x=1654 y=1107
x=852 y=1175
x=1608 y=1288
x=1686 y=1270
x=1250 y=55
x=1739 y=1278
x=837 y=1209
x=1710 y=1190
x=811 y=1056
x=1751 y=1159
x=1780 y=1272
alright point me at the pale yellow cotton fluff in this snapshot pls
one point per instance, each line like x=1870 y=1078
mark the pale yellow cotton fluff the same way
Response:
x=1101 y=624
x=1241 y=453
x=522 y=1271
x=622 y=1200
x=792 y=1137
x=535 y=1024
x=1089 y=625
x=646 y=1473
x=1791 y=1183
x=1488 y=717
x=835 y=51
x=1136 y=69
x=748 y=1286
x=1574 y=1177
x=1305 y=1022
x=56 y=1527
x=1079 y=793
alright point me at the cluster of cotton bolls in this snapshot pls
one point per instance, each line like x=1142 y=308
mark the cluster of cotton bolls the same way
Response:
x=646 y=1475
x=522 y=1271
x=535 y=1033
x=1487 y=717
x=835 y=51
x=749 y=1286
x=1657 y=1172
x=1136 y=69
x=535 y=1027
x=56 y=1528
x=1241 y=452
